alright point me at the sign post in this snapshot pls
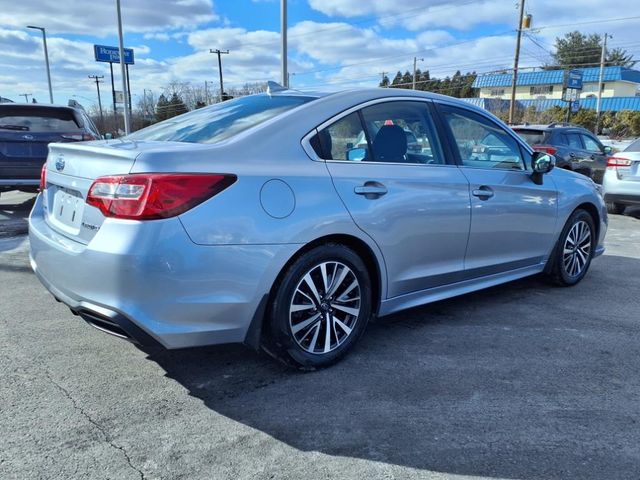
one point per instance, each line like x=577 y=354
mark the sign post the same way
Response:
x=571 y=88
x=111 y=55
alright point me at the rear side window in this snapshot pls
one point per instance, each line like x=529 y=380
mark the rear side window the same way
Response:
x=38 y=120
x=220 y=121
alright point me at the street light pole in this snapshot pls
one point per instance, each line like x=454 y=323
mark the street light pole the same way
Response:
x=125 y=87
x=603 y=56
x=512 y=103
x=283 y=39
x=46 y=57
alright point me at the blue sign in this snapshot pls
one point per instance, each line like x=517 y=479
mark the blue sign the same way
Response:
x=574 y=79
x=112 y=54
x=575 y=106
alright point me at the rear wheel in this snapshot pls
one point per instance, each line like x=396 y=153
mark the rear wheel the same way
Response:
x=615 y=208
x=320 y=308
x=574 y=250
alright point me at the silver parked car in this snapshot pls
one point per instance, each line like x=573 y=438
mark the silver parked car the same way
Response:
x=621 y=183
x=256 y=220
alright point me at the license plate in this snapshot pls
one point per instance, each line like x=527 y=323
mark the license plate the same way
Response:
x=68 y=206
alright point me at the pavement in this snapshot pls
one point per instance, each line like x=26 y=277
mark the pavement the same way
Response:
x=520 y=381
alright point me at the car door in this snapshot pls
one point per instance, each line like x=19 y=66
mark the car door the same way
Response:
x=512 y=219
x=414 y=205
x=594 y=156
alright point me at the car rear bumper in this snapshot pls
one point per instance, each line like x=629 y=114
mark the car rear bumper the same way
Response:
x=148 y=282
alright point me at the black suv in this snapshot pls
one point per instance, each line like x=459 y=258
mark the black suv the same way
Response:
x=574 y=147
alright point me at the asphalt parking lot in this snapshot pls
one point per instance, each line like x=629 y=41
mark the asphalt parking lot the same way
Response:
x=521 y=381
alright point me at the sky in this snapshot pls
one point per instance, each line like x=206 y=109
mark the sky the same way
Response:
x=333 y=44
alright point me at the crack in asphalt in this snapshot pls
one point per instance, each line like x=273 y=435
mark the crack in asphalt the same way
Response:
x=100 y=428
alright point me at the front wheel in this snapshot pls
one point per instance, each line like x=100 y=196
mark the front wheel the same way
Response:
x=320 y=308
x=574 y=250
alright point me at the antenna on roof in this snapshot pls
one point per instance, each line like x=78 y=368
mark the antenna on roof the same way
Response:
x=274 y=87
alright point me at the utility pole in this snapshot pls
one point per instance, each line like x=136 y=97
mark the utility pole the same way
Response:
x=283 y=39
x=512 y=104
x=125 y=87
x=26 y=95
x=603 y=56
x=206 y=92
x=220 y=52
x=415 y=61
x=97 y=80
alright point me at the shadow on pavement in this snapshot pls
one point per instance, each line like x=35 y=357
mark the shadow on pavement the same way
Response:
x=14 y=213
x=510 y=382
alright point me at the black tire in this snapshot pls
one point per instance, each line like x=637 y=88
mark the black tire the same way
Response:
x=615 y=208
x=289 y=347
x=559 y=272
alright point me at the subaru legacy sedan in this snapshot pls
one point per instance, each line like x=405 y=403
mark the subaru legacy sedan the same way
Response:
x=262 y=220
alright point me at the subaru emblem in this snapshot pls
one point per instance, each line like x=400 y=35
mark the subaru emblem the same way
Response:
x=27 y=137
x=60 y=163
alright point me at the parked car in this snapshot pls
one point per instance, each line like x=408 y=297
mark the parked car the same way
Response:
x=246 y=222
x=621 y=185
x=574 y=147
x=26 y=130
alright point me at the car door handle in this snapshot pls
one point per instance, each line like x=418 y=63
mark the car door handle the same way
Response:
x=371 y=190
x=483 y=192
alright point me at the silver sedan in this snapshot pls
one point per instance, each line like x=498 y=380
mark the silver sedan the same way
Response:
x=265 y=220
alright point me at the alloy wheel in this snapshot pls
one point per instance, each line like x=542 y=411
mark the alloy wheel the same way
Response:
x=325 y=307
x=577 y=249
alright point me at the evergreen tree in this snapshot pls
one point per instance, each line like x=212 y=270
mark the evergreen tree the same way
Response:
x=162 y=108
x=176 y=106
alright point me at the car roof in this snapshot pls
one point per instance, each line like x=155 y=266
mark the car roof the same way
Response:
x=40 y=106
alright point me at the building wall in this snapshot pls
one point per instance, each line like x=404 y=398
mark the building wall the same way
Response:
x=611 y=89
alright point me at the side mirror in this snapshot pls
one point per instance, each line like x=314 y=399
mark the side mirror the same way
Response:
x=541 y=163
x=607 y=150
x=356 y=154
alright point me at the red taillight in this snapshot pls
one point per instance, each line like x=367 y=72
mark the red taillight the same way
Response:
x=148 y=196
x=43 y=177
x=618 y=162
x=546 y=149
x=78 y=137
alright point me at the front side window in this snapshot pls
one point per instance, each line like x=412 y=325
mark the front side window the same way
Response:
x=573 y=140
x=590 y=144
x=482 y=143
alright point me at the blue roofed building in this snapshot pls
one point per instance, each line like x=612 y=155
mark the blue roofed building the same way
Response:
x=543 y=89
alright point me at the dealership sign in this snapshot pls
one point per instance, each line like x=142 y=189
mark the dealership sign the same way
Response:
x=104 y=53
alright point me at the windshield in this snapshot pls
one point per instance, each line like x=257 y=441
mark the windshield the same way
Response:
x=532 y=137
x=220 y=121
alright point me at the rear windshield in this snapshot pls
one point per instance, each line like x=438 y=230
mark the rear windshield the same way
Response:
x=634 y=147
x=532 y=137
x=220 y=121
x=38 y=120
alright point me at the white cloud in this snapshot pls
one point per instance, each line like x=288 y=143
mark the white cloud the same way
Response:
x=99 y=18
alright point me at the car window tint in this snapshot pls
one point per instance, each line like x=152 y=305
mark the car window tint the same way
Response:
x=482 y=143
x=532 y=137
x=340 y=140
x=590 y=144
x=220 y=121
x=401 y=132
x=574 y=141
x=39 y=120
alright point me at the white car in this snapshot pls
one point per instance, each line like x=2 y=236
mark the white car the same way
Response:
x=621 y=183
